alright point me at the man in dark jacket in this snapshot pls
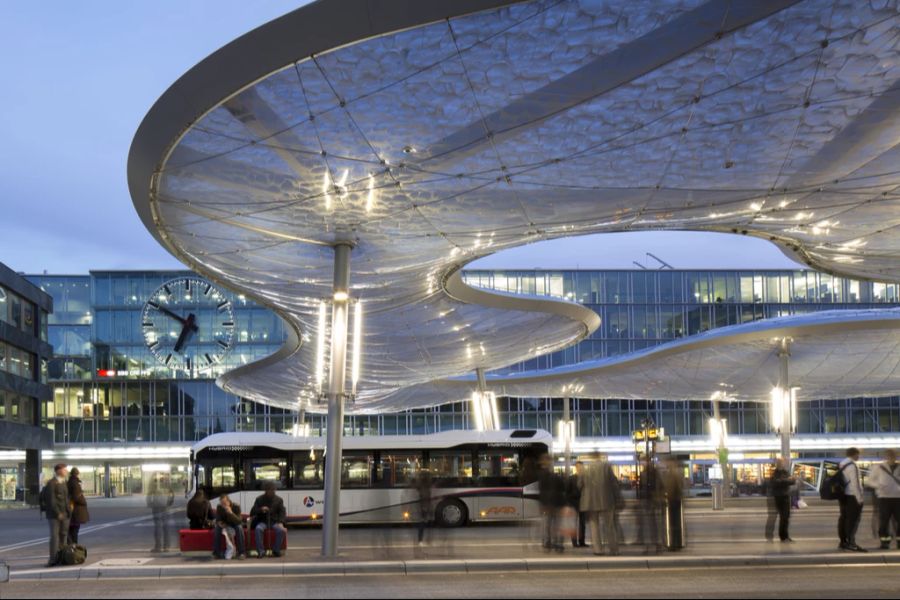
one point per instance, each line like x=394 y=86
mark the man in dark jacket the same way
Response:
x=79 y=506
x=199 y=511
x=780 y=502
x=55 y=502
x=552 y=498
x=573 y=496
x=268 y=513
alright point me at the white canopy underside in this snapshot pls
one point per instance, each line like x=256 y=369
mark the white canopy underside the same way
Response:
x=454 y=138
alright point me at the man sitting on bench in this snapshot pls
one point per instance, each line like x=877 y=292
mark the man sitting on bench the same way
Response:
x=268 y=512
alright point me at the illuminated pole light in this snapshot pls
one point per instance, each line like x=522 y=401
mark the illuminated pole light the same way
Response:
x=357 y=344
x=320 y=346
x=476 y=411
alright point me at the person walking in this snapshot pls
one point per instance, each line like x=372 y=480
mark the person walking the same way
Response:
x=599 y=503
x=159 y=499
x=780 y=484
x=884 y=478
x=55 y=502
x=851 y=502
x=424 y=485
x=573 y=497
x=649 y=502
x=80 y=514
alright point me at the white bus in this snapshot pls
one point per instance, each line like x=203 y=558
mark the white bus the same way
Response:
x=478 y=476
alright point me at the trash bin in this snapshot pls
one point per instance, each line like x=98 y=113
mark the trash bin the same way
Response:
x=674 y=523
x=112 y=491
x=718 y=495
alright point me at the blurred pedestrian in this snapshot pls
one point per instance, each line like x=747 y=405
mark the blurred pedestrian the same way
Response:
x=884 y=478
x=673 y=490
x=851 y=502
x=598 y=501
x=552 y=496
x=80 y=514
x=55 y=503
x=779 y=502
x=199 y=511
x=268 y=512
x=424 y=485
x=159 y=498
x=573 y=498
x=649 y=500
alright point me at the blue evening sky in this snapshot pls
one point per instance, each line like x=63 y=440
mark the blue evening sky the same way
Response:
x=78 y=77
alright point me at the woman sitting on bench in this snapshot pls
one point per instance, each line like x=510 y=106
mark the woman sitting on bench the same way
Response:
x=229 y=528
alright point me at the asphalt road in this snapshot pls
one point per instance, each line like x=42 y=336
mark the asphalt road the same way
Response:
x=815 y=582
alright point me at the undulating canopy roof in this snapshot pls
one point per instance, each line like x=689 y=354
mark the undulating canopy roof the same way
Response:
x=430 y=133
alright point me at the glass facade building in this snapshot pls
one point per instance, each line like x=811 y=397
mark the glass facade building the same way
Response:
x=109 y=391
x=24 y=358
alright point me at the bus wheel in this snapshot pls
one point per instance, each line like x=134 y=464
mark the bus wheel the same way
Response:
x=451 y=513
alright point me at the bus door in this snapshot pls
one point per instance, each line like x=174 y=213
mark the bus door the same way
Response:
x=499 y=493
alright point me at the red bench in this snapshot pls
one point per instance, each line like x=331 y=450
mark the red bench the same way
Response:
x=201 y=540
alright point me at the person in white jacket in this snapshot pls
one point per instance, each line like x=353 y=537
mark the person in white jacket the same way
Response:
x=884 y=478
x=851 y=502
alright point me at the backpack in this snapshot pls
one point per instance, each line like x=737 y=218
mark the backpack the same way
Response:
x=833 y=486
x=44 y=498
x=73 y=554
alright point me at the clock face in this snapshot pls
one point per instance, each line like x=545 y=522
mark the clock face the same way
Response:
x=188 y=324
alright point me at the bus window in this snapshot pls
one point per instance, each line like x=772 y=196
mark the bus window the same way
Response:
x=308 y=472
x=451 y=467
x=223 y=477
x=498 y=466
x=260 y=471
x=398 y=469
x=355 y=470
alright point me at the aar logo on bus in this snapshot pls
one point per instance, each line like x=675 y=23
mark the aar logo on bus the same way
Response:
x=308 y=501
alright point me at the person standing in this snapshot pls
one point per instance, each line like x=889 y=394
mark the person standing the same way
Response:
x=552 y=497
x=780 y=484
x=649 y=502
x=80 y=514
x=573 y=496
x=159 y=499
x=885 y=479
x=55 y=502
x=268 y=512
x=599 y=503
x=851 y=502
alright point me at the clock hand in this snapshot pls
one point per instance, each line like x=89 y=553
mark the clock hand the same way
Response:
x=186 y=332
x=168 y=312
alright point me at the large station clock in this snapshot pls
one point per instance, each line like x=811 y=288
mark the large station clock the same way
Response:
x=188 y=323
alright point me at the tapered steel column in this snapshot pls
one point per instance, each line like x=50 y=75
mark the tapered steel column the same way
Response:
x=336 y=393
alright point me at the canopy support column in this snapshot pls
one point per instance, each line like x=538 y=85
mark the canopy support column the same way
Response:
x=336 y=396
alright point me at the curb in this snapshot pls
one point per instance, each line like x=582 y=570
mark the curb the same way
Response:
x=419 y=567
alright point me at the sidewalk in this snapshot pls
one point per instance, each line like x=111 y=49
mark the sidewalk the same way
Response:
x=167 y=568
